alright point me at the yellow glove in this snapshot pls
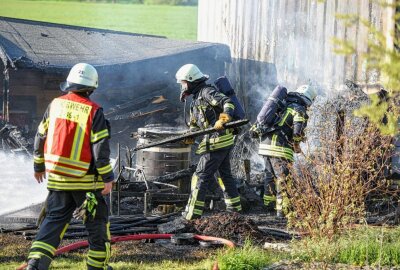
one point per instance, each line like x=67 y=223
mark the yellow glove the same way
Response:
x=223 y=118
x=188 y=141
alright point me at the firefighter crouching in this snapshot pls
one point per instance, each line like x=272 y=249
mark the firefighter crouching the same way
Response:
x=72 y=145
x=208 y=108
x=279 y=143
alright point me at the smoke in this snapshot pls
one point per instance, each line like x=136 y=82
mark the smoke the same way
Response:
x=18 y=188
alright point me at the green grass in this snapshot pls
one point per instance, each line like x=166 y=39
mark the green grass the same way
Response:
x=175 y=22
x=363 y=246
x=245 y=258
x=71 y=264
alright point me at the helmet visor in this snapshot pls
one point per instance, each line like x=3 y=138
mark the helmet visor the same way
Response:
x=74 y=87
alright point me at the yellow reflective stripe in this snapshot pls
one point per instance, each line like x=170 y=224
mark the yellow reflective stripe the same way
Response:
x=97 y=254
x=194 y=181
x=199 y=203
x=108 y=231
x=213 y=147
x=61 y=182
x=77 y=145
x=232 y=200
x=65 y=170
x=287 y=113
x=238 y=207
x=45 y=246
x=95 y=263
x=67 y=161
x=108 y=248
x=38 y=159
x=192 y=202
x=218 y=139
x=63 y=231
x=276 y=148
x=221 y=184
x=43 y=126
x=229 y=105
x=274 y=138
x=56 y=177
x=38 y=255
x=74 y=186
x=298 y=118
x=276 y=151
x=94 y=137
x=198 y=212
x=105 y=169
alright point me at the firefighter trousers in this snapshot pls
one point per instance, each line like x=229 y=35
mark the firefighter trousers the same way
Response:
x=60 y=206
x=276 y=172
x=209 y=164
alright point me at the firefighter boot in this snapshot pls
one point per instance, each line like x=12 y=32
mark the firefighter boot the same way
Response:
x=42 y=263
x=269 y=203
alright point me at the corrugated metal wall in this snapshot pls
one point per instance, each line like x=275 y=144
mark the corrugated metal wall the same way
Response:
x=288 y=41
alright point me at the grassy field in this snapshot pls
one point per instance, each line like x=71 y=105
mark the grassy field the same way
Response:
x=175 y=22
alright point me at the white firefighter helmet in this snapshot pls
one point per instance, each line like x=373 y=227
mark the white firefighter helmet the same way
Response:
x=190 y=73
x=308 y=91
x=81 y=77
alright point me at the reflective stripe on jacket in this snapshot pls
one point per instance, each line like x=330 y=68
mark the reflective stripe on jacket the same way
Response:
x=205 y=108
x=279 y=143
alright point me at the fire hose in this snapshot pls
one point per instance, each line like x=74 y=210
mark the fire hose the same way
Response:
x=133 y=237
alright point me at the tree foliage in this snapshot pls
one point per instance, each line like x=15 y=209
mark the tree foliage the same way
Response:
x=383 y=59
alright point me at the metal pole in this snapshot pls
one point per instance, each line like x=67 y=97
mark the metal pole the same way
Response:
x=6 y=92
x=119 y=181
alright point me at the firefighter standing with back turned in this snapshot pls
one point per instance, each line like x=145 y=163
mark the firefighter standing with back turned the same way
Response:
x=278 y=146
x=72 y=145
x=208 y=108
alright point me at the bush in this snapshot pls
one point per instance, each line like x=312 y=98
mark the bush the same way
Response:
x=344 y=163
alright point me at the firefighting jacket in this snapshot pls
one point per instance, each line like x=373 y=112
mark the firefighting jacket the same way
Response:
x=290 y=130
x=205 y=108
x=72 y=145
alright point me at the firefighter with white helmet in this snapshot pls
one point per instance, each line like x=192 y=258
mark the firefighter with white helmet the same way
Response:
x=81 y=78
x=279 y=142
x=208 y=108
x=72 y=145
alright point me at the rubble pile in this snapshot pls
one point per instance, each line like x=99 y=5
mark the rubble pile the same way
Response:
x=232 y=226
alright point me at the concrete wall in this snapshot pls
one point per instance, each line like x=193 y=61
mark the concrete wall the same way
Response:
x=289 y=41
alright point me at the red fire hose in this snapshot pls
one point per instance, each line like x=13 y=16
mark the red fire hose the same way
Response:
x=132 y=237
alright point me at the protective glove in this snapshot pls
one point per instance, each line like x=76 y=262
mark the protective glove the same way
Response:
x=88 y=208
x=255 y=131
x=223 y=119
x=188 y=141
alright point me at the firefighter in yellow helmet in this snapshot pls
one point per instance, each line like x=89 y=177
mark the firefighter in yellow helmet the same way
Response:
x=209 y=108
x=72 y=145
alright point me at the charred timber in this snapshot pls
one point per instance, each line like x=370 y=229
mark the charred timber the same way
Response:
x=233 y=124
